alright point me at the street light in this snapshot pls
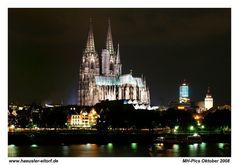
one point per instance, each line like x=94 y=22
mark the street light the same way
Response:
x=191 y=128
x=176 y=128
x=11 y=127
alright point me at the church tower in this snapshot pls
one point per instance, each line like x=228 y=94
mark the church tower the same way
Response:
x=208 y=101
x=109 y=40
x=108 y=55
x=110 y=61
x=88 y=70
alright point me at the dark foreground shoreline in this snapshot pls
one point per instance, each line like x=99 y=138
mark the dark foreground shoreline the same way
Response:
x=74 y=137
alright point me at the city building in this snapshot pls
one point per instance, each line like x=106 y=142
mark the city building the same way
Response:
x=224 y=107
x=208 y=101
x=184 y=93
x=101 y=76
x=200 y=106
x=85 y=119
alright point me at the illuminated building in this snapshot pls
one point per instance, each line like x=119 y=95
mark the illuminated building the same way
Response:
x=184 y=93
x=208 y=101
x=200 y=106
x=223 y=107
x=140 y=106
x=101 y=77
x=84 y=119
x=181 y=107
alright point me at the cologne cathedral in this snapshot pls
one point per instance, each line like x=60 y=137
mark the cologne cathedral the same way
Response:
x=101 y=76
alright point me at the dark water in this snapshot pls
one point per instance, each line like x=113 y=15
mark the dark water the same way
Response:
x=122 y=150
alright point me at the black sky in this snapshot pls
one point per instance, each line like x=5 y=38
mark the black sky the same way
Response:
x=166 y=45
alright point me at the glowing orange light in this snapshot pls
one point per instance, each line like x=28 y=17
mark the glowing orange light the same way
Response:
x=181 y=107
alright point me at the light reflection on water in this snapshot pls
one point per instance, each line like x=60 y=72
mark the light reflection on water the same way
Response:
x=122 y=150
x=193 y=150
x=221 y=145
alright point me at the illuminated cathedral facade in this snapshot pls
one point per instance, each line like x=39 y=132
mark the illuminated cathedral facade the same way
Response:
x=101 y=76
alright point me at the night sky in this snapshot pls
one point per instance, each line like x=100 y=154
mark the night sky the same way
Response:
x=165 y=45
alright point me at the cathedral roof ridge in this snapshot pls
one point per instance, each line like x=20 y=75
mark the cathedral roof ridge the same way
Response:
x=127 y=74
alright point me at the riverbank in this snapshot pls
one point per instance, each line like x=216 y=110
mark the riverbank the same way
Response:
x=79 y=137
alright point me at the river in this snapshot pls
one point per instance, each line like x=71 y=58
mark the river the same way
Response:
x=122 y=150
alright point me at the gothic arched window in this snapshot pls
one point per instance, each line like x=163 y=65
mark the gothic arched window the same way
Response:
x=92 y=62
x=92 y=65
x=111 y=66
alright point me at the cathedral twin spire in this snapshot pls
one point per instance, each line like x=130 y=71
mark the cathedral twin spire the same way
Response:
x=110 y=60
x=90 y=45
x=109 y=40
